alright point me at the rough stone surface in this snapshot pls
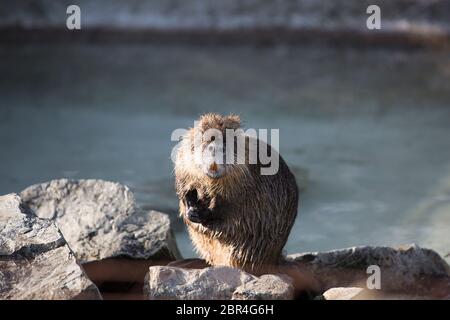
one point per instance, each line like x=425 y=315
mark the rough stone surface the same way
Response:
x=99 y=220
x=406 y=273
x=172 y=283
x=35 y=261
x=266 y=287
x=354 y=293
x=349 y=293
x=409 y=269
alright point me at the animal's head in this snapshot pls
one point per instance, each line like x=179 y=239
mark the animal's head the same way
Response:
x=213 y=154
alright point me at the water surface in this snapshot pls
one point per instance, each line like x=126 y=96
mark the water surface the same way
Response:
x=367 y=131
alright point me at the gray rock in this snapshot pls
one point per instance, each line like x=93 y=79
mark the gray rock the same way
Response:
x=99 y=220
x=266 y=287
x=354 y=293
x=343 y=293
x=172 y=283
x=35 y=261
x=406 y=273
x=410 y=269
x=214 y=283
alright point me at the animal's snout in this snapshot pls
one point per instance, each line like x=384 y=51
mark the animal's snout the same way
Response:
x=213 y=167
x=213 y=160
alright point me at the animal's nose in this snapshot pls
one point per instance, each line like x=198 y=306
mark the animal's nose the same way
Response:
x=213 y=167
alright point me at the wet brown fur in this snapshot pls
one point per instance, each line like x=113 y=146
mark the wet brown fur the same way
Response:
x=254 y=213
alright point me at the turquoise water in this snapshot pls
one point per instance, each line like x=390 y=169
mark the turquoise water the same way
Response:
x=367 y=131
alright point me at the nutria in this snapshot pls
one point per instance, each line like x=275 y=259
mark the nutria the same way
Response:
x=235 y=215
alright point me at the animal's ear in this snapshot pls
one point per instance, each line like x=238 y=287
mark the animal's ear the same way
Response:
x=232 y=121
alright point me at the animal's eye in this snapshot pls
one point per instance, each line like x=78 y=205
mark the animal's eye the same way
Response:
x=213 y=138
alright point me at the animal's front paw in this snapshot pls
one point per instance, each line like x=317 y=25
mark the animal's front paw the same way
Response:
x=192 y=198
x=198 y=215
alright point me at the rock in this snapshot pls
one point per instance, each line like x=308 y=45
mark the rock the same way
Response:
x=266 y=287
x=100 y=220
x=410 y=269
x=354 y=293
x=342 y=293
x=35 y=261
x=213 y=283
